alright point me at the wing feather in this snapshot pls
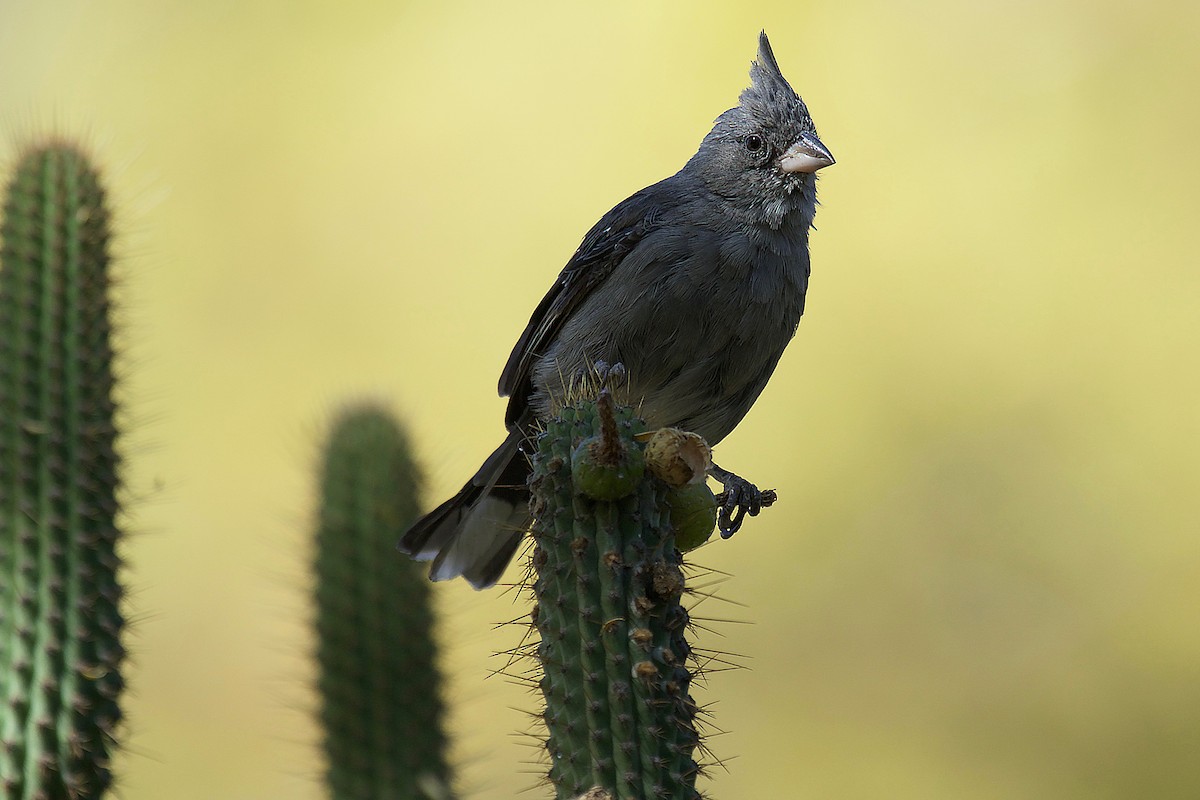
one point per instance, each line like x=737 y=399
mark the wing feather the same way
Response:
x=616 y=234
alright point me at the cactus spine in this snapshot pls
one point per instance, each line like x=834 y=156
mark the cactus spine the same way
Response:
x=380 y=705
x=60 y=618
x=612 y=648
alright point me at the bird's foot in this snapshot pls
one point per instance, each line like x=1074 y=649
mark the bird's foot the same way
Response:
x=610 y=376
x=741 y=497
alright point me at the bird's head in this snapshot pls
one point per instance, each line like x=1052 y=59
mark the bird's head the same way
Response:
x=764 y=153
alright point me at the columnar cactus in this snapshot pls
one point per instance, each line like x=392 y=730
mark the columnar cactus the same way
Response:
x=60 y=618
x=380 y=705
x=608 y=586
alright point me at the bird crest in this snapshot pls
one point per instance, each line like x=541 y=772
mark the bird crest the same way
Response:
x=770 y=97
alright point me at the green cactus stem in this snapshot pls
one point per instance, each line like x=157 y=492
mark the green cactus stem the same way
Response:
x=60 y=618
x=380 y=702
x=614 y=658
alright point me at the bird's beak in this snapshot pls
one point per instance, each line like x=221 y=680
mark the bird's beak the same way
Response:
x=806 y=155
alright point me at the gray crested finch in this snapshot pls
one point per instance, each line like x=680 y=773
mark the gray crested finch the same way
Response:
x=695 y=285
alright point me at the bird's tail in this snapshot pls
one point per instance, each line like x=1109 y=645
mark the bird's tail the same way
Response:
x=475 y=533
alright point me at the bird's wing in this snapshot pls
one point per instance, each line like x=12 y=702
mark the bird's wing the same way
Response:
x=610 y=240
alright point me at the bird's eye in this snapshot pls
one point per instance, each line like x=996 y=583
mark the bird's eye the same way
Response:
x=754 y=143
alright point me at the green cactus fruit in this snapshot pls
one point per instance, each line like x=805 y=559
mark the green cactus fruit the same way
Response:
x=604 y=467
x=60 y=616
x=614 y=659
x=380 y=702
x=602 y=478
x=693 y=514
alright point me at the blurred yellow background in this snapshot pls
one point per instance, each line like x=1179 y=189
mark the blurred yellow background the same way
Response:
x=983 y=577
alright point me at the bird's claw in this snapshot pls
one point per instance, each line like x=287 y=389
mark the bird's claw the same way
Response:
x=610 y=376
x=741 y=497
